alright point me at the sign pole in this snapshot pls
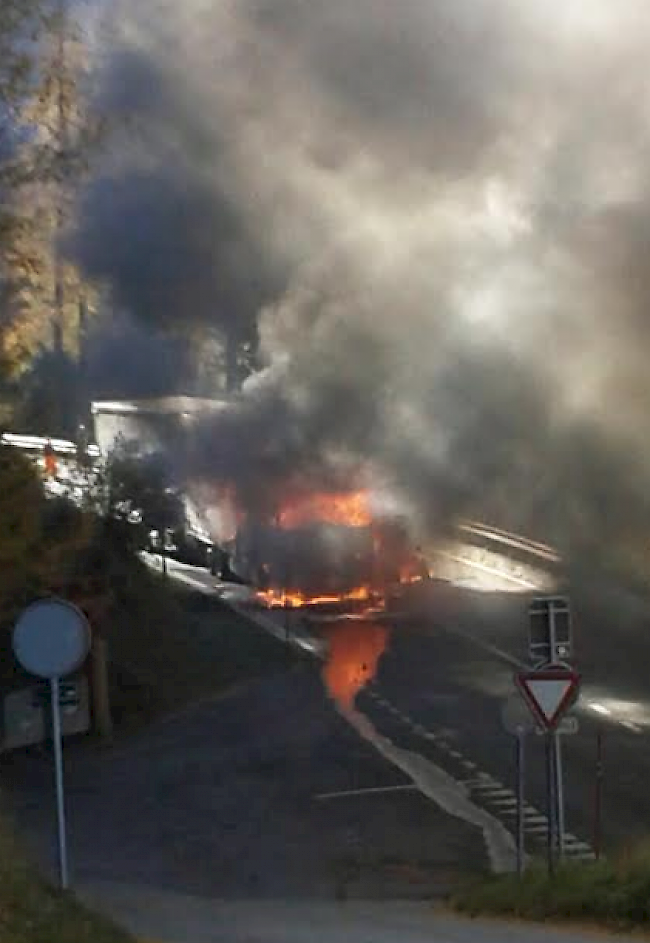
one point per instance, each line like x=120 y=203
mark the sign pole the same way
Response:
x=58 y=773
x=552 y=634
x=521 y=774
x=598 y=794
x=551 y=804
x=51 y=640
x=559 y=793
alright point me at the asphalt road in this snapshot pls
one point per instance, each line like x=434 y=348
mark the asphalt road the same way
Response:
x=220 y=802
x=449 y=670
x=184 y=919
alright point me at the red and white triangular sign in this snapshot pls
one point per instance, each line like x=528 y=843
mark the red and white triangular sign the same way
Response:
x=549 y=692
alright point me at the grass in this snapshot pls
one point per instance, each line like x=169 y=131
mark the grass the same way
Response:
x=613 y=892
x=170 y=646
x=32 y=911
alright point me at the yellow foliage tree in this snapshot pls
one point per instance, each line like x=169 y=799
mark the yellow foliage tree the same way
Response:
x=45 y=299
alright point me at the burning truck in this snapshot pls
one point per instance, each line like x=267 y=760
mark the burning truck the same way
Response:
x=324 y=550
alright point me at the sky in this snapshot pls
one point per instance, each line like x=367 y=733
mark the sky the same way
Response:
x=436 y=215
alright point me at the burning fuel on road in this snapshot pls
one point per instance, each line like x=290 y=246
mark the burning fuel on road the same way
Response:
x=354 y=653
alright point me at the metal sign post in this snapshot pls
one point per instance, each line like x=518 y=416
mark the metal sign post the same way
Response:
x=51 y=640
x=518 y=722
x=57 y=740
x=598 y=794
x=559 y=791
x=521 y=780
x=551 y=782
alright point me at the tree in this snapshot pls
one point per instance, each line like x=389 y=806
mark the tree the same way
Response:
x=18 y=52
x=139 y=496
x=21 y=506
x=44 y=301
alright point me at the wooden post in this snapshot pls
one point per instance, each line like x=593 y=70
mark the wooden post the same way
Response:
x=101 y=705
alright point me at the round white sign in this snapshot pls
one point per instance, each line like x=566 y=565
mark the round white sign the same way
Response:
x=516 y=717
x=51 y=638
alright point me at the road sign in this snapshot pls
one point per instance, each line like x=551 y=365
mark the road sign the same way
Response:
x=567 y=727
x=516 y=717
x=52 y=639
x=550 y=629
x=549 y=693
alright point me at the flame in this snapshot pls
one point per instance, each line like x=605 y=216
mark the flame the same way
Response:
x=350 y=509
x=354 y=652
x=412 y=572
x=293 y=599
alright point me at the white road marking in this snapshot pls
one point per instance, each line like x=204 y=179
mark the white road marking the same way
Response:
x=443 y=789
x=483 y=784
x=345 y=793
x=499 y=793
x=486 y=787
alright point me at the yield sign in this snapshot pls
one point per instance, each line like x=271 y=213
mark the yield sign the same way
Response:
x=549 y=692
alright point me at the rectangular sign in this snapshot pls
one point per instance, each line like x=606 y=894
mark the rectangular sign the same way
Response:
x=26 y=714
x=568 y=727
x=550 y=635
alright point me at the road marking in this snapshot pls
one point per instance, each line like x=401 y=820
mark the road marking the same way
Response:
x=486 y=787
x=344 y=793
x=495 y=793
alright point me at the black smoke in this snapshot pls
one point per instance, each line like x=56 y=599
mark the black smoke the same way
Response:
x=434 y=217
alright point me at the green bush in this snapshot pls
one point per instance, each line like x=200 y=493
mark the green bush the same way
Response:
x=615 y=892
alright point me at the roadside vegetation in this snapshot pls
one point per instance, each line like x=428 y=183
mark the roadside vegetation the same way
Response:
x=32 y=911
x=614 y=892
x=167 y=645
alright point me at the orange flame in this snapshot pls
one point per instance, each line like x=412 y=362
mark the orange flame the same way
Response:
x=354 y=652
x=350 y=509
x=293 y=599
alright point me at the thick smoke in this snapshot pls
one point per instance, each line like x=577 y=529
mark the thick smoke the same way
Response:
x=436 y=215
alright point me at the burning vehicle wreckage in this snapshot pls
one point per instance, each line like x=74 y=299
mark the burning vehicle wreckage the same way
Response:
x=323 y=551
